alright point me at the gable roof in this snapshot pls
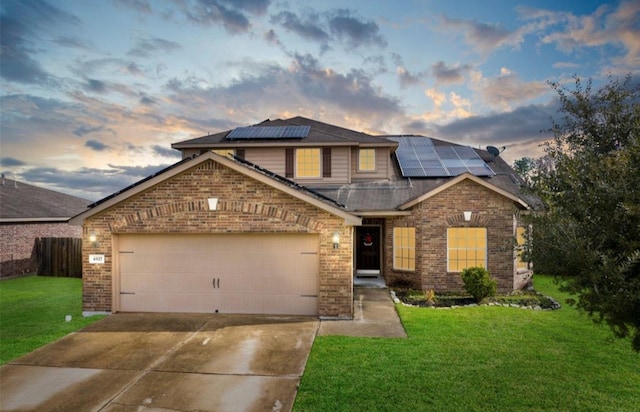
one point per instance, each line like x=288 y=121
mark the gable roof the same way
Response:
x=319 y=133
x=21 y=203
x=300 y=192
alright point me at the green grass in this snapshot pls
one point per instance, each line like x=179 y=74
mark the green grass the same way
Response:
x=32 y=313
x=477 y=359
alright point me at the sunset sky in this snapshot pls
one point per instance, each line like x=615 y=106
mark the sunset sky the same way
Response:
x=93 y=93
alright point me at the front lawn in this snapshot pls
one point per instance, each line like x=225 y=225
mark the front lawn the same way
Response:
x=33 y=310
x=476 y=359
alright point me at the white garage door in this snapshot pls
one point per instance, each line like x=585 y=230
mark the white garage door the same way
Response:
x=252 y=273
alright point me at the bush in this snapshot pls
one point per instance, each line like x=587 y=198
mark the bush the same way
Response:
x=478 y=283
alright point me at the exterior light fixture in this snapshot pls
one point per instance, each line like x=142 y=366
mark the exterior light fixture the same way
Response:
x=467 y=216
x=93 y=238
x=336 y=240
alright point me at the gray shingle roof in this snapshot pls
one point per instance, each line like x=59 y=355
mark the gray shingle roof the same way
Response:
x=319 y=133
x=23 y=202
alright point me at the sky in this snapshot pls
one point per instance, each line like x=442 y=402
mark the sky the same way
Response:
x=93 y=93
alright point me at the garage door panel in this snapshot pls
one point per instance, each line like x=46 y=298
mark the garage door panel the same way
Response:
x=266 y=273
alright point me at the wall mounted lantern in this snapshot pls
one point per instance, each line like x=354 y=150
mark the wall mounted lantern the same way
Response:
x=467 y=216
x=336 y=240
x=93 y=238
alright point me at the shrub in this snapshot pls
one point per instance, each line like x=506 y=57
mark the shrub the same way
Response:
x=478 y=283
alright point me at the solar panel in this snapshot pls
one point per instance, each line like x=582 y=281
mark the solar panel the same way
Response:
x=269 y=132
x=418 y=157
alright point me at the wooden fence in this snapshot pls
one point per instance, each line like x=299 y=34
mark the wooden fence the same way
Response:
x=59 y=256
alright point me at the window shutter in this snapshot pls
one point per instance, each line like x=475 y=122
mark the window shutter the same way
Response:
x=288 y=163
x=240 y=153
x=326 y=162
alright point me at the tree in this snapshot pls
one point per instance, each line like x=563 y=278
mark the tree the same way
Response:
x=590 y=182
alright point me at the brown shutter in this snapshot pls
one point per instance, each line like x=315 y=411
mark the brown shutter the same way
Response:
x=240 y=153
x=326 y=162
x=288 y=163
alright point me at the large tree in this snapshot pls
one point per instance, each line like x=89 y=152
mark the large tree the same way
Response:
x=589 y=179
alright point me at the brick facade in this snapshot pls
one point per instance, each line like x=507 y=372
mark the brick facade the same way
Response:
x=245 y=205
x=17 y=240
x=433 y=216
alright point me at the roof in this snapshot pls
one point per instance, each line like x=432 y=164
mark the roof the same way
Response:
x=319 y=133
x=374 y=196
x=246 y=168
x=21 y=202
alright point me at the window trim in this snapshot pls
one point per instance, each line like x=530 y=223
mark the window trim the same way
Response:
x=317 y=159
x=486 y=249
x=396 y=247
x=368 y=149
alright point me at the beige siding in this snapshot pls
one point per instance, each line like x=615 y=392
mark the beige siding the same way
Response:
x=273 y=160
x=382 y=165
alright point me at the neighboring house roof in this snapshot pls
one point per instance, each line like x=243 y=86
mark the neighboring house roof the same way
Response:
x=246 y=168
x=21 y=203
x=319 y=133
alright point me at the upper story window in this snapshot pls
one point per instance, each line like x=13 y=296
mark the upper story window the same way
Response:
x=308 y=162
x=466 y=247
x=367 y=160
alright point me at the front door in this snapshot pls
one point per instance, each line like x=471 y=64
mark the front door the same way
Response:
x=368 y=250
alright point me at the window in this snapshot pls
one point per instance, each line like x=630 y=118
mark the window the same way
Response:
x=520 y=238
x=367 y=160
x=308 y=163
x=223 y=152
x=404 y=248
x=466 y=247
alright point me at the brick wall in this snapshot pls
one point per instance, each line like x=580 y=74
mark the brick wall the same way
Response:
x=179 y=205
x=431 y=219
x=17 y=255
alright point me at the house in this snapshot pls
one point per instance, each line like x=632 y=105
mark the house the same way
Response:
x=28 y=212
x=282 y=216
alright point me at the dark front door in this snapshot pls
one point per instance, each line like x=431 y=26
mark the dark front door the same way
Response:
x=368 y=249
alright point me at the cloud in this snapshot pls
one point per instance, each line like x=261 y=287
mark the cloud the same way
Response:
x=229 y=13
x=96 y=145
x=88 y=183
x=18 y=63
x=605 y=27
x=448 y=75
x=96 y=86
x=506 y=89
x=353 y=31
x=308 y=28
x=11 y=162
x=166 y=152
x=147 y=47
x=142 y=6
x=482 y=36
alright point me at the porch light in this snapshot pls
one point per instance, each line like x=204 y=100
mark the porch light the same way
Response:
x=336 y=240
x=467 y=216
x=93 y=238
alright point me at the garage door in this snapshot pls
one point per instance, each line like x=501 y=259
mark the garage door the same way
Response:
x=265 y=273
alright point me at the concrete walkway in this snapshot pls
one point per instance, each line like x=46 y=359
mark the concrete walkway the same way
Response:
x=374 y=316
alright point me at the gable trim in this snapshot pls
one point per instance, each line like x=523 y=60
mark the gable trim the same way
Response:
x=459 y=179
x=349 y=219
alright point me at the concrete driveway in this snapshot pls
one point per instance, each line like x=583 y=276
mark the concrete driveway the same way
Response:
x=177 y=362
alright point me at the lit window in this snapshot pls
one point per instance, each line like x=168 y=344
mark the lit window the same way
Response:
x=223 y=152
x=367 y=160
x=308 y=162
x=404 y=248
x=520 y=237
x=466 y=247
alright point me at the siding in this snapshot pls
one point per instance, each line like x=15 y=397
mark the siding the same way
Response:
x=382 y=165
x=273 y=159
